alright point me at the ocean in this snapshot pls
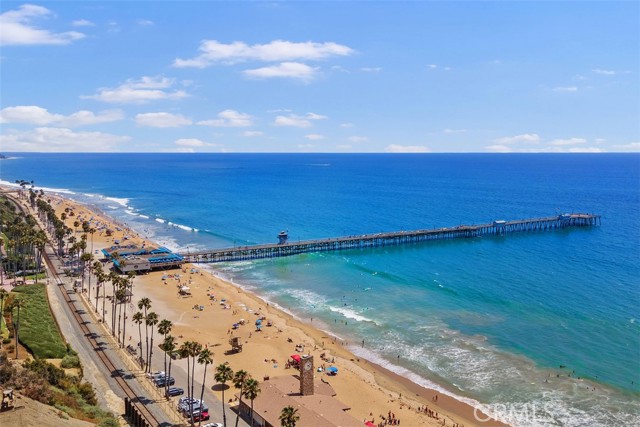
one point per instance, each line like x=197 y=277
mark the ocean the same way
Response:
x=540 y=328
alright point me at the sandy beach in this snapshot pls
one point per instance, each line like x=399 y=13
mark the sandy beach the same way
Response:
x=208 y=314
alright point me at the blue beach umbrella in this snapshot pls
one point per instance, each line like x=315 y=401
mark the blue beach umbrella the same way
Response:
x=332 y=369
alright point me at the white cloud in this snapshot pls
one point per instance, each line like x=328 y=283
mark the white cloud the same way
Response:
x=344 y=147
x=34 y=115
x=432 y=66
x=395 y=148
x=314 y=136
x=633 y=146
x=298 y=121
x=293 y=70
x=568 y=141
x=371 y=69
x=190 y=142
x=16 y=28
x=292 y=120
x=453 y=131
x=498 y=148
x=526 y=137
x=305 y=146
x=212 y=52
x=144 y=22
x=565 y=89
x=252 y=133
x=346 y=125
x=604 y=72
x=47 y=139
x=83 y=23
x=139 y=91
x=358 y=138
x=314 y=116
x=162 y=120
x=229 y=118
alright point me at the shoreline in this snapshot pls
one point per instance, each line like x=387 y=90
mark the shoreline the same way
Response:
x=392 y=389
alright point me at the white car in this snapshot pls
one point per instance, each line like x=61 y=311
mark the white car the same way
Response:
x=155 y=375
x=213 y=425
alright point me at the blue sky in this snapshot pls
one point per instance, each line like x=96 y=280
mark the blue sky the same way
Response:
x=380 y=76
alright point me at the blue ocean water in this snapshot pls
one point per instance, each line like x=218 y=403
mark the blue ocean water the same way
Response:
x=489 y=319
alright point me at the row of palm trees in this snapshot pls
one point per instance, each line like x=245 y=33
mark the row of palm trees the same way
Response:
x=121 y=287
x=22 y=242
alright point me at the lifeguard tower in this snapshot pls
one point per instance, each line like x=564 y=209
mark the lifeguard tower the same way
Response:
x=7 y=401
x=283 y=237
x=236 y=345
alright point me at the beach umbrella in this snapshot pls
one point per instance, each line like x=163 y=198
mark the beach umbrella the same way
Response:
x=296 y=357
x=259 y=322
x=369 y=424
x=332 y=369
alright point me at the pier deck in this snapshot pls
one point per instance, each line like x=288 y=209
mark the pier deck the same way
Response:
x=274 y=250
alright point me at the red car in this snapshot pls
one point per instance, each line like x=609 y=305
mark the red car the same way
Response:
x=200 y=416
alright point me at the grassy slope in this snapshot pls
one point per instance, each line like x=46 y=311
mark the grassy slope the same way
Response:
x=38 y=329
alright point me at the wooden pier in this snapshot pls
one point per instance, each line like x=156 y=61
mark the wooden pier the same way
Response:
x=285 y=248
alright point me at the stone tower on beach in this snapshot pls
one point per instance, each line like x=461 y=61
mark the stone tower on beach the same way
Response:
x=306 y=375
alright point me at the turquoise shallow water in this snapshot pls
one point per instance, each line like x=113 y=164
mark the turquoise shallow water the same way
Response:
x=487 y=319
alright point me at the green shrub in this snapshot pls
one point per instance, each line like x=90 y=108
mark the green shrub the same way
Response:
x=109 y=422
x=70 y=361
x=88 y=393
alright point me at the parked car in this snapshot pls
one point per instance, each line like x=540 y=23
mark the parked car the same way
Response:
x=156 y=375
x=183 y=404
x=175 y=391
x=163 y=381
x=200 y=416
x=197 y=407
x=213 y=425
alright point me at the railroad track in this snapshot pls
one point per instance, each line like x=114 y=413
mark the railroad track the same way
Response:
x=97 y=347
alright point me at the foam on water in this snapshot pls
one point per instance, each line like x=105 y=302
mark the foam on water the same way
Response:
x=350 y=314
x=124 y=202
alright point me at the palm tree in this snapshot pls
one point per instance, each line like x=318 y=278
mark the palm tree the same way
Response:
x=189 y=350
x=152 y=320
x=97 y=268
x=17 y=303
x=194 y=350
x=223 y=374
x=251 y=391
x=239 y=381
x=289 y=417
x=169 y=348
x=85 y=258
x=137 y=318
x=145 y=303
x=164 y=327
x=119 y=297
x=204 y=357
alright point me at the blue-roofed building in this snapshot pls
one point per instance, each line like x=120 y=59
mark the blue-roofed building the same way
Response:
x=141 y=259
